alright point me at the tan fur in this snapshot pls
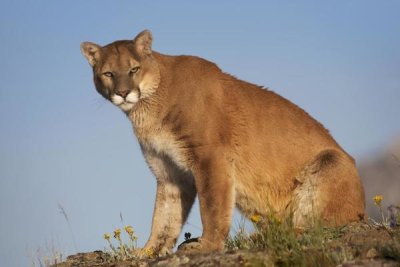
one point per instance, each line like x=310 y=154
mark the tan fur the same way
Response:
x=231 y=142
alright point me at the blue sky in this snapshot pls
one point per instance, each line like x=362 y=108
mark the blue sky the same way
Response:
x=62 y=143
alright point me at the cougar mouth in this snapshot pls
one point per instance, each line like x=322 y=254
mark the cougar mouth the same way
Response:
x=126 y=103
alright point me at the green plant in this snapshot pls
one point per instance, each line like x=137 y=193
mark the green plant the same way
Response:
x=389 y=221
x=125 y=250
x=288 y=246
x=391 y=250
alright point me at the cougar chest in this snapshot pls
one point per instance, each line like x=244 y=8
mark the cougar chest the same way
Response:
x=165 y=143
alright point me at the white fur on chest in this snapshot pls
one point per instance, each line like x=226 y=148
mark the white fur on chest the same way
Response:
x=164 y=143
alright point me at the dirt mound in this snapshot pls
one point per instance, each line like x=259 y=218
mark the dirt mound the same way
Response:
x=354 y=245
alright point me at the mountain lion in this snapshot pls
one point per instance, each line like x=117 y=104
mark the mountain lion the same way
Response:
x=233 y=143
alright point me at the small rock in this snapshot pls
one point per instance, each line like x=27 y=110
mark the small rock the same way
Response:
x=372 y=253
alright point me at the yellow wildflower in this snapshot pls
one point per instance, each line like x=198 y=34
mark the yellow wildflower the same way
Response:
x=255 y=218
x=106 y=237
x=117 y=234
x=129 y=229
x=149 y=252
x=378 y=199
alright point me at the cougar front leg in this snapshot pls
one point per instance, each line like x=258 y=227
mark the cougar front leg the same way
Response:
x=175 y=196
x=215 y=188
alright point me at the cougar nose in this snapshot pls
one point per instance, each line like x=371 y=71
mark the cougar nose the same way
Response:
x=122 y=93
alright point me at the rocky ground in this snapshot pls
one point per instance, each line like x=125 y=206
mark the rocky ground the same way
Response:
x=354 y=245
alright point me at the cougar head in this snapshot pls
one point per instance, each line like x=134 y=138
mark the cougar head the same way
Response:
x=124 y=72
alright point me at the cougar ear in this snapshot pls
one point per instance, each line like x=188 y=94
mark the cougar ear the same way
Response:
x=91 y=51
x=143 y=43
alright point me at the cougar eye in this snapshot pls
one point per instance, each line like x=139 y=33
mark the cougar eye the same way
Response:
x=134 y=70
x=108 y=74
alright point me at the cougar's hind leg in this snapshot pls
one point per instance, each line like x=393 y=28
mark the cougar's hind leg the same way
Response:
x=329 y=191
